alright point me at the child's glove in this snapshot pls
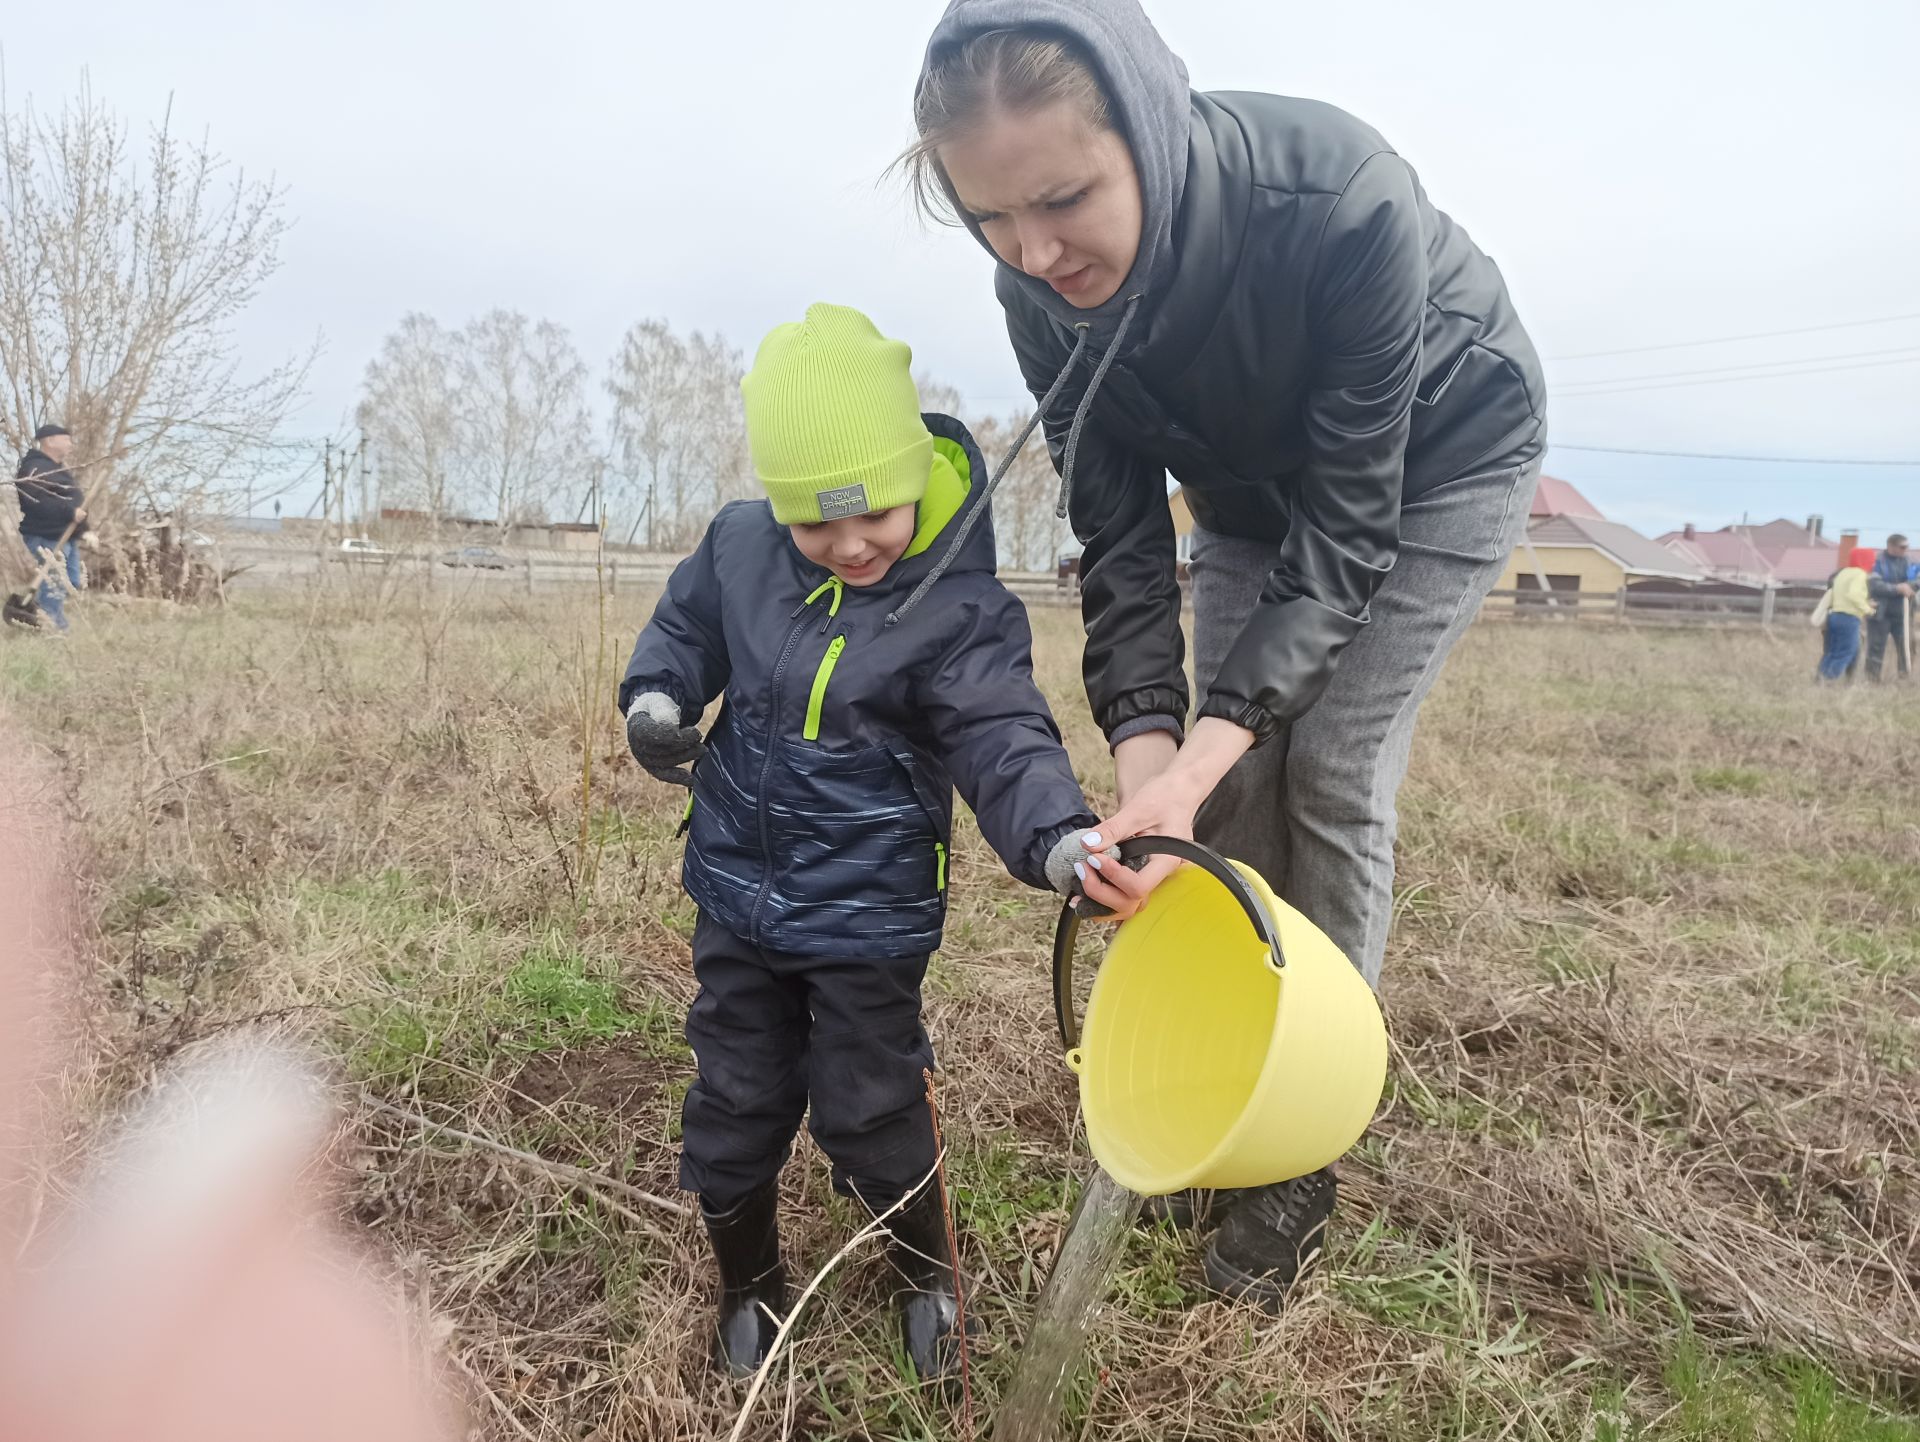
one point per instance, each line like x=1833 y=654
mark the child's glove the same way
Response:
x=659 y=742
x=1068 y=853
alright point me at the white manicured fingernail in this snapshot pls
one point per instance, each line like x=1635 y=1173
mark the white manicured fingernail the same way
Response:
x=1092 y=838
x=1094 y=862
x=1080 y=869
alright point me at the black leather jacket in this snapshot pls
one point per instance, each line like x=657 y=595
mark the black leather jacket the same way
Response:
x=1328 y=345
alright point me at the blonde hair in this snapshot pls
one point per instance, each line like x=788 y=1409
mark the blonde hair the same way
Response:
x=1019 y=71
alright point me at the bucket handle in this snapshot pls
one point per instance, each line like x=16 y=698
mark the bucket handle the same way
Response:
x=1138 y=849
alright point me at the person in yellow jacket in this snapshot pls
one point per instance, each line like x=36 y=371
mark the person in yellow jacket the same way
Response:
x=1847 y=606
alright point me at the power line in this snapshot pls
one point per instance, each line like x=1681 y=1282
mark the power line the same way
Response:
x=1604 y=390
x=1898 y=350
x=1725 y=456
x=1731 y=339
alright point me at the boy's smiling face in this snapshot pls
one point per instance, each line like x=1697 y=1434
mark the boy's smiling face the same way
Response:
x=860 y=550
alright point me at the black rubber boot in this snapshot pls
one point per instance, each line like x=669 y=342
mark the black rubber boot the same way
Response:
x=929 y=1306
x=1198 y=1208
x=746 y=1245
x=1270 y=1239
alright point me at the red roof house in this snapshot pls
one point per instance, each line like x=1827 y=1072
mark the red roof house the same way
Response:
x=1779 y=553
x=1555 y=497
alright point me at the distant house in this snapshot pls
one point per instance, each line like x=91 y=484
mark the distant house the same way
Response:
x=1780 y=553
x=1581 y=555
x=1555 y=497
x=1579 y=551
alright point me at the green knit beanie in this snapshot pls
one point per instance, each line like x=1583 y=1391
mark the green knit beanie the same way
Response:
x=833 y=419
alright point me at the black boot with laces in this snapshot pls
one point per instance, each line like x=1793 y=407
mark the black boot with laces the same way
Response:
x=1271 y=1237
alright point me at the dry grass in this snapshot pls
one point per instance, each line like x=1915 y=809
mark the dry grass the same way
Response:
x=1646 y=1168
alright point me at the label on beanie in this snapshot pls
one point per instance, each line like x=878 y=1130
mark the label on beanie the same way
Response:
x=844 y=501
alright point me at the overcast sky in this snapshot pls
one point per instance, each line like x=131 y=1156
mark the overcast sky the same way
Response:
x=1644 y=173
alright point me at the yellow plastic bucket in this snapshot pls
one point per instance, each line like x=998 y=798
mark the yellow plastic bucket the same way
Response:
x=1228 y=1042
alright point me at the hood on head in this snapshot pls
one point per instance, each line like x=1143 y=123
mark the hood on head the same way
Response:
x=957 y=486
x=1147 y=91
x=1862 y=557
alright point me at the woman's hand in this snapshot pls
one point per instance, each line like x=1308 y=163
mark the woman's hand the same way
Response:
x=1162 y=804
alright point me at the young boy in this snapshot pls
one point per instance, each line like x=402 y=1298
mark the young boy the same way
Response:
x=856 y=695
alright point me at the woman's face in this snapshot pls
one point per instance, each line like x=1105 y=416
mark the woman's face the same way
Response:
x=1053 y=196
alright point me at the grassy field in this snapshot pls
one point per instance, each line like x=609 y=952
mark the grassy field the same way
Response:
x=1646 y=1167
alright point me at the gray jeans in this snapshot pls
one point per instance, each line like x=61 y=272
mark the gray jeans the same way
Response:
x=1313 y=809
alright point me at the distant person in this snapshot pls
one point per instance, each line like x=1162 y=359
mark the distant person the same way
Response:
x=870 y=661
x=1890 y=583
x=52 y=516
x=1847 y=605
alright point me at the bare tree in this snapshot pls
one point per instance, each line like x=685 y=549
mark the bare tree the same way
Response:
x=720 y=423
x=938 y=396
x=652 y=397
x=121 y=277
x=409 y=413
x=522 y=416
x=1023 y=521
x=679 y=435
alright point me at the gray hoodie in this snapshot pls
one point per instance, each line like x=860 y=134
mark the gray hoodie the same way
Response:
x=1147 y=87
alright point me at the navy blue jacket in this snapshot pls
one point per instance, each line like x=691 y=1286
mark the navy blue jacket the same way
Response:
x=49 y=496
x=822 y=810
x=1887 y=573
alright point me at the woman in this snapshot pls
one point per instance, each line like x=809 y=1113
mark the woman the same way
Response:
x=1252 y=293
x=1844 y=609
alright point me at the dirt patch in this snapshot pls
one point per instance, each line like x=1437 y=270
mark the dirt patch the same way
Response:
x=620 y=1078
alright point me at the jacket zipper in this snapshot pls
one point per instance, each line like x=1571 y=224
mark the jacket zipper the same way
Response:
x=817 y=699
x=834 y=584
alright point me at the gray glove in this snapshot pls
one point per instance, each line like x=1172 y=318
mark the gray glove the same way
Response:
x=659 y=742
x=1066 y=853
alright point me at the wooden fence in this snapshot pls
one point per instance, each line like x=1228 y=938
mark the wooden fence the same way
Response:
x=535 y=571
x=1668 y=608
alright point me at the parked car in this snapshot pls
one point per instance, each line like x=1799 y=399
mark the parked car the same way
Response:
x=360 y=548
x=478 y=558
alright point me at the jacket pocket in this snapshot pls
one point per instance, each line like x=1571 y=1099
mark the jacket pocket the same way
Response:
x=1430 y=392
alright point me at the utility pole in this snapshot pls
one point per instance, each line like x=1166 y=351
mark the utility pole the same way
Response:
x=326 y=491
x=366 y=513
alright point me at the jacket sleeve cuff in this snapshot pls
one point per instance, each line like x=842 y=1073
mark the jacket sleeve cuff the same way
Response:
x=1035 y=873
x=1247 y=715
x=1159 y=703
x=632 y=686
x=1141 y=725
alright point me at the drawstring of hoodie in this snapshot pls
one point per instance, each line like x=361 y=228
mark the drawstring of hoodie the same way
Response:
x=985 y=503
x=1086 y=406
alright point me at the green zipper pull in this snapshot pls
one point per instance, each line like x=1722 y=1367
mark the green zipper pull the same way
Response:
x=940 y=865
x=833 y=584
x=817 y=699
